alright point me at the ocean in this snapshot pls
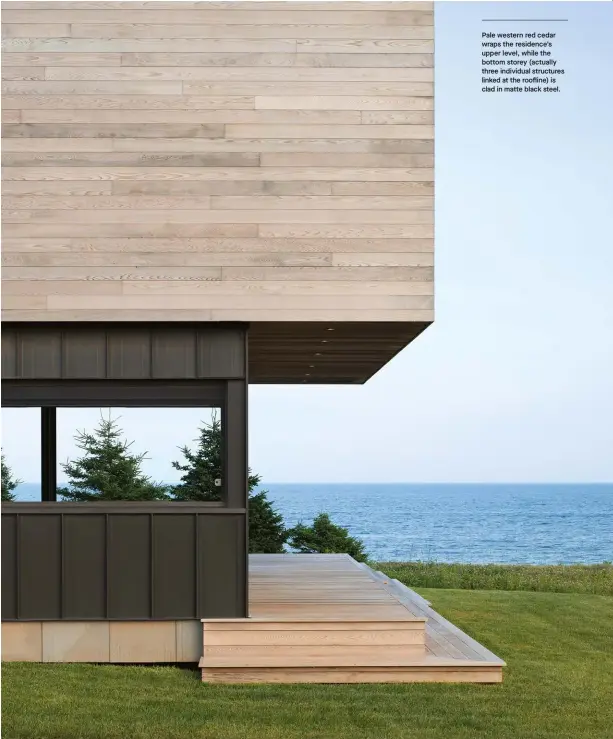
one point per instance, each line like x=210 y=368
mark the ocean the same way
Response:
x=484 y=523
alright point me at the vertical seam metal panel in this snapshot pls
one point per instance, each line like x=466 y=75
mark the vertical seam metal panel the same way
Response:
x=62 y=354
x=106 y=355
x=17 y=566
x=197 y=568
x=106 y=565
x=62 y=572
x=246 y=515
x=150 y=368
x=151 y=567
x=223 y=412
x=18 y=362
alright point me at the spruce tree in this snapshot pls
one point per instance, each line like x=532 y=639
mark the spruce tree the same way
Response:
x=107 y=470
x=325 y=537
x=9 y=483
x=203 y=467
x=267 y=533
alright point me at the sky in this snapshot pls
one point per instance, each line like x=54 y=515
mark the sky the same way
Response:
x=514 y=380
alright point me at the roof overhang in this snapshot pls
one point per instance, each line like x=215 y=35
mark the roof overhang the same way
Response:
x=265 y=353
x=325 y=353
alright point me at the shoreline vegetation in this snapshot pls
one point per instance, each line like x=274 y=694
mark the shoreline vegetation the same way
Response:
x=594 y=579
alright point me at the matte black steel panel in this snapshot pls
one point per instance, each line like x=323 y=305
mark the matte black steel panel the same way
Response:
x=194 y=566
x=129 y=354
x=235 y=444
x=9 y=353
x=40 y=354
x=113 y=393
x=124 y=506
x=40 y=569
x=173 y=354
x=129 y=566
x=221 y=353
x=174 y=566
x=9 y=566
x=84 y=555
x=84 y=354
x=83 y=350
x=222 y=567
x=48 y=454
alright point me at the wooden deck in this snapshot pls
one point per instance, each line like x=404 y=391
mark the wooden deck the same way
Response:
x=327 y=618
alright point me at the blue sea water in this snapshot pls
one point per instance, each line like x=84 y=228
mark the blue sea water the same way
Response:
x=506 y=523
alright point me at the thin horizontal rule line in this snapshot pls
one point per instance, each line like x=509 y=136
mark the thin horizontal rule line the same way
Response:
x=524 y=20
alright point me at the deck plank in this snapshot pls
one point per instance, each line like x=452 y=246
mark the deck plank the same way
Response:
x=298 y=595
x=333 y=585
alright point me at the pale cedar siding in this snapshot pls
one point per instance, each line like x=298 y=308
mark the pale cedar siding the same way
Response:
x=172 y=161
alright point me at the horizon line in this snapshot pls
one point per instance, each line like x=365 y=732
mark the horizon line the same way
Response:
x=397 y=482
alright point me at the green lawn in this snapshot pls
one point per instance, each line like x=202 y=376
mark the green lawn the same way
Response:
x=558 y=685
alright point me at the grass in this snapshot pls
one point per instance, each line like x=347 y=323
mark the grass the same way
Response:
x=558 y=685
x=592 y=579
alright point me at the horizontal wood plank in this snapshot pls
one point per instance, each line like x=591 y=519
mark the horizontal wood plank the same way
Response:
x=136 y=245
x=320 y=101
x=346 y=159
x=53 y=87
x=11 y=116
x=215 y=202
x=312 y=289
x=415 y=57
x=109 y=130
x=238 y=130
x=59 y=59
x=227 y=187
x=313 y=202
x=151 y=45
x=128 y=230
x=74 y=16
x=34 y=30
x=87 y=159
x=279 y=174
x=243 y=74
x=128 y=102
x=69 y=216
x=226 y=302
x=345 y=231
x=224 y=162
x=319 y=5
x=276 y=145
x=257 y=88
x=346 y=117
x=22 y=73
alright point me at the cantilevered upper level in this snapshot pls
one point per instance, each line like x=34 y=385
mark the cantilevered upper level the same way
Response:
x=265 y=163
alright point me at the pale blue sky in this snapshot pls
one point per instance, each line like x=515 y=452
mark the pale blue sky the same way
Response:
x=514 y=381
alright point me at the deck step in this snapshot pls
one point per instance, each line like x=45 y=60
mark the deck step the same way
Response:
x=416 y=673
x=309 y=643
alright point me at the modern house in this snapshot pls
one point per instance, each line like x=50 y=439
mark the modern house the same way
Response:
x=199 y=196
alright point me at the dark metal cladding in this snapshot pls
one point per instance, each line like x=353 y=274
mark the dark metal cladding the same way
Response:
x=9 y=566
x=48 y=453
x=114 y=393
x=127 y=560
x=123 y=351
x=39 y=564
x=223 y=572
x=84 y=562
x=122 y=561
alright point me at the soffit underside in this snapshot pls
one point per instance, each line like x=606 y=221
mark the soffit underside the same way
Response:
x=325 y=353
